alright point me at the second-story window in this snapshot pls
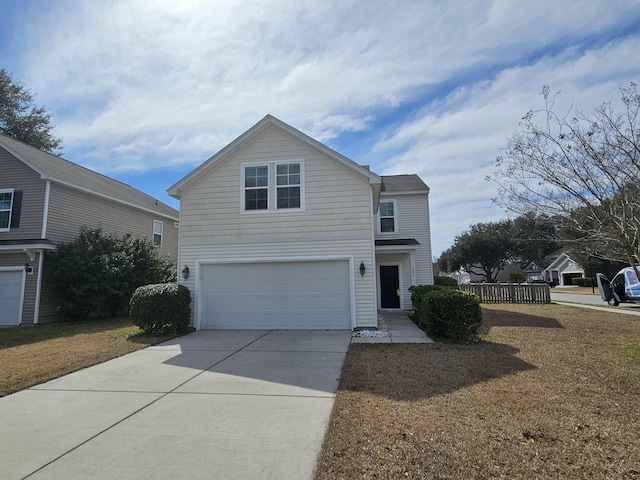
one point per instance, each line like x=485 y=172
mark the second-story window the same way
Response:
x=387 y=216
x=288 y=185
x=157 y=232
x=272 y=187
x=256 y=188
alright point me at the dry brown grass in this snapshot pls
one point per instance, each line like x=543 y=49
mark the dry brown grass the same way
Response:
x=32 y=355
x=551 y=392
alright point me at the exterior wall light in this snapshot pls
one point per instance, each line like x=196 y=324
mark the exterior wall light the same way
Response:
x=363 y=269
x=185 y=272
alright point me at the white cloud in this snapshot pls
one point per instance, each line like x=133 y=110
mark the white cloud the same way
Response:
x=137 y=85
x=453 y=142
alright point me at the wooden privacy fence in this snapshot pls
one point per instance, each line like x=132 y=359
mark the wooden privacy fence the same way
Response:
x=509 y=292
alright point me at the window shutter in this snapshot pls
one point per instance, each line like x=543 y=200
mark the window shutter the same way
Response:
x=15 y=210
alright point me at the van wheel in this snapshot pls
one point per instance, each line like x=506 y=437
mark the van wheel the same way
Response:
x=613 y=302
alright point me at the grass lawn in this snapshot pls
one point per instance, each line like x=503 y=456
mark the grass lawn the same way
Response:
x=32 y=355
x=551 y=391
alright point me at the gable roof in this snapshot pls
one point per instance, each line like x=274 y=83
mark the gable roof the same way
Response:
x=404 y=184
x=58 y=170
x=185 y=183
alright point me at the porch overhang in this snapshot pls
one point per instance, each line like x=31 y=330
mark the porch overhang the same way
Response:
x=26 y=245
x=397 y=245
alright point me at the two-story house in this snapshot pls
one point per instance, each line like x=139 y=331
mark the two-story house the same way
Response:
x=44 y=200
x=278 y=231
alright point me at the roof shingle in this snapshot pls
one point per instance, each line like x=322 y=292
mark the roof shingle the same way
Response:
x=59 y=170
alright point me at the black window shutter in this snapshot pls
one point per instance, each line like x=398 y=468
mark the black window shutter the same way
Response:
x=15 y=211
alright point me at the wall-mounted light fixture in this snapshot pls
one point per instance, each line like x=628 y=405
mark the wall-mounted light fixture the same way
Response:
x=185 y=272
x=26 y=267
x=363 y=269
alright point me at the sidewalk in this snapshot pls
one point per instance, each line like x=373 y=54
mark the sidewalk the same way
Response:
x=394 y=327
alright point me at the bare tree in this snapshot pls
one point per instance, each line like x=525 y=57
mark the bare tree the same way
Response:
x=582 y=168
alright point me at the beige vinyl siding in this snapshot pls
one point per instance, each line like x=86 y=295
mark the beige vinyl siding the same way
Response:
x=70 y=209
x=413 y=222
x=336 y=201
x=18 y=176
x=413 y=215
x=337 y=219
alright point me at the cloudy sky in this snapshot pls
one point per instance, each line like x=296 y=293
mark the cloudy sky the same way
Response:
x=146 y=90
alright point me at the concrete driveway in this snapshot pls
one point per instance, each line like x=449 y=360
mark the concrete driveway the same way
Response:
x=212 y=404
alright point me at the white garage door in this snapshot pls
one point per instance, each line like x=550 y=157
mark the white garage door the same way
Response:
x=11 y=294
x=291 y=295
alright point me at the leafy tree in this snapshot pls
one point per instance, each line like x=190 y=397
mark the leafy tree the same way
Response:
x=483 y=250
x=534 y=237
x=487 y=247
x=21 y=119
x=582 y=168
x=99 y=272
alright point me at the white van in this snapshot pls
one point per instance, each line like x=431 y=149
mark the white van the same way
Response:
x=624 y=288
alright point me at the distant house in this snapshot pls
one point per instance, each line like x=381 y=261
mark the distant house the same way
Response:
x=279 y=231
x=557 y=268
x=44 y=200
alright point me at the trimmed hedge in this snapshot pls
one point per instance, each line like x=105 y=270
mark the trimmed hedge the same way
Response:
x=445 y=281
x=419 y=291
x=443 y=312
x=582 y=282
x=161 y=308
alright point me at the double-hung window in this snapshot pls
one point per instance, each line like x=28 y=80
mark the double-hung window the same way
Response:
x=256 y=187
x=387 y=217
x=288 y=185
x=6 y=205
x=276 y=186
x=158 y=227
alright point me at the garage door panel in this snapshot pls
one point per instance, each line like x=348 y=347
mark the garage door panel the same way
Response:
x=11 y=296
x=276 y=295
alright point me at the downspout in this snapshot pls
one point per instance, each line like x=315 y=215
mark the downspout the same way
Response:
x=43 y=235
x=373 y=247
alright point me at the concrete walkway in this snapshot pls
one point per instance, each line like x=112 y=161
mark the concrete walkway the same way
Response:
x=395 y=327
x=212 y=404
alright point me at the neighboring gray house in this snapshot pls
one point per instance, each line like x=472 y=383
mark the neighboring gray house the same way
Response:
x=557 y=268
x=279 y=231
x=44 y=200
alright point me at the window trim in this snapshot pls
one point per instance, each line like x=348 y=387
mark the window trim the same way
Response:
x=13 y=196
x=272 y=187
x=161 y=234
x=380 y=217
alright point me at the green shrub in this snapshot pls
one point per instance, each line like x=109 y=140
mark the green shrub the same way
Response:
x=449 y=314
x=162 y=307
x=582 y=282
x=98 y=272
x=445 y=281
x=419 y=291
x=517 y=277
